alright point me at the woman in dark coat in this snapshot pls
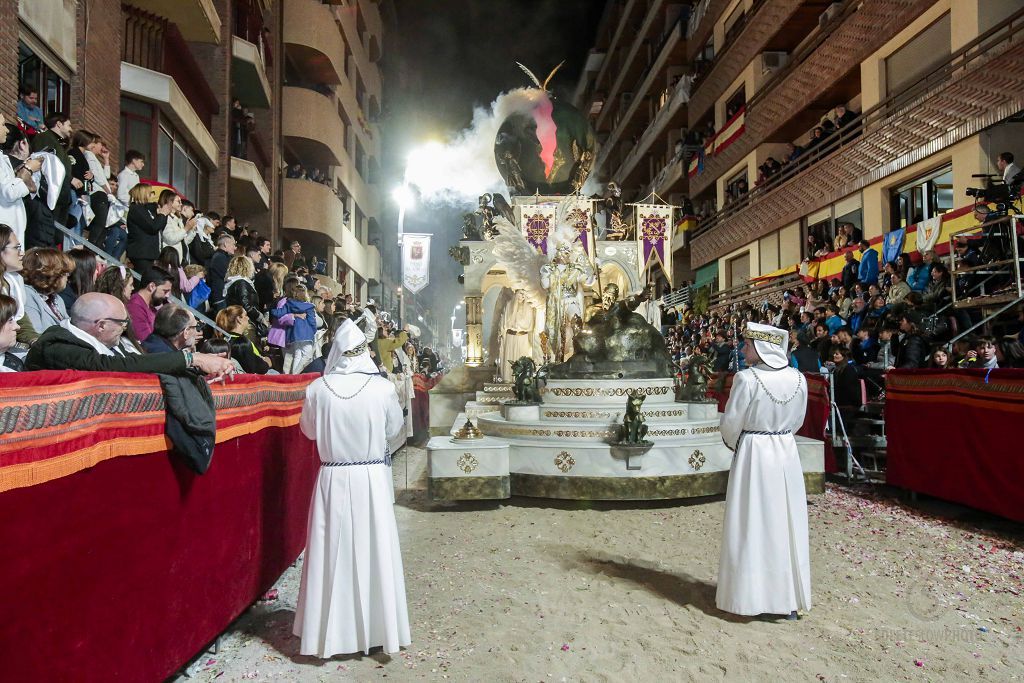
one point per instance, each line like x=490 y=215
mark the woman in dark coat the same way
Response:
x=145 y=222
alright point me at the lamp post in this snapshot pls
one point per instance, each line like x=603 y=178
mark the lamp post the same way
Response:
x=404 y=197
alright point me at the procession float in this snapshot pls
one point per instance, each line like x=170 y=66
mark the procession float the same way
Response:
x=568 y=390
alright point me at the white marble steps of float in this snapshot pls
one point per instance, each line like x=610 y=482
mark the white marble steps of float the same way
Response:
x=494 y=425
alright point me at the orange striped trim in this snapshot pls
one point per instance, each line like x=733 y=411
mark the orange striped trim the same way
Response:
x=42 y=471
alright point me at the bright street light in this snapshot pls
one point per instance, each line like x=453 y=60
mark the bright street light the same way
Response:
x=404 y=197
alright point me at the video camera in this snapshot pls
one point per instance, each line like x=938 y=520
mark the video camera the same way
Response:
x=997 y=192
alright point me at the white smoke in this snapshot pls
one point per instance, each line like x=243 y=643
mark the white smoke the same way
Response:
x=462 y=169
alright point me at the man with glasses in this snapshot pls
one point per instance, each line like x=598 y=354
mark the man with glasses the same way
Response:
x=175 y=329
x=90 y=340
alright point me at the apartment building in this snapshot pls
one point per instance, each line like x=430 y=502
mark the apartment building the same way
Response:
x=331 y=102
x=163 y=77
x=714 y=106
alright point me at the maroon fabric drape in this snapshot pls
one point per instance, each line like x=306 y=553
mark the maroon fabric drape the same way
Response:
x=956 y=435
x=124 y=571
x=817 y=411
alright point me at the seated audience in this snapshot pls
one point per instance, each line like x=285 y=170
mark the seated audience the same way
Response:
x=89 y=339
x=154 y=290
x=235 y=321
x=219 y=347
x=46 y=273
x=174 y=329
x=9 y=335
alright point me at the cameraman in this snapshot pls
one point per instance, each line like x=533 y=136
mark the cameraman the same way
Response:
x=1004 y=162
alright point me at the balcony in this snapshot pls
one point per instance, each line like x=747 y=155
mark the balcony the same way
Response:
x=156 y=44
x=249 y=193
x=311 y=127
x=668 y=51
x=776 y=25
x=313 y=207
x=820 y=67
x=248 y=74
x=978 y=86
x=196 y=19
x=312 y=41
x=162 y=90
x=702 y=25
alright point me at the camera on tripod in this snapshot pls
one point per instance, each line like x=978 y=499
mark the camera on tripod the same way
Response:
x=994 y=191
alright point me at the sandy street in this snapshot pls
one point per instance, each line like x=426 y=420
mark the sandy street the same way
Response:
x=532 y=590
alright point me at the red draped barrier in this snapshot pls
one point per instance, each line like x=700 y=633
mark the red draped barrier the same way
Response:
x=124 y=570
x=956 y=435
x=817 y=411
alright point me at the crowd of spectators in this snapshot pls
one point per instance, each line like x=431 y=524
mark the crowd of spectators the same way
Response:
x=64 y=304
x=858 y=326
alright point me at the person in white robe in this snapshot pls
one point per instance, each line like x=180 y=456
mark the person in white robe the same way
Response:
x=352 y=594
x=765 y=563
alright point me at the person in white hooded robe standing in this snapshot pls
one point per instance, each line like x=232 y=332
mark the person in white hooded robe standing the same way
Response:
x=352 y=595
x=765 y=564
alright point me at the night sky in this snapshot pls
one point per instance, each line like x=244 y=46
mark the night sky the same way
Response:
x=442 y=59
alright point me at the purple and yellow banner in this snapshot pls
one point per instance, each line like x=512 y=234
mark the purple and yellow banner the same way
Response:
x=581 y=217
x=537 y=222
x=653 y=234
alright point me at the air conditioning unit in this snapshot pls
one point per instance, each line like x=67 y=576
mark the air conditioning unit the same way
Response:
x=829 y=14
x=770 y=61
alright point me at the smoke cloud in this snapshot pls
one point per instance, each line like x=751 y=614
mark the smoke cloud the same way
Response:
x=460 y=170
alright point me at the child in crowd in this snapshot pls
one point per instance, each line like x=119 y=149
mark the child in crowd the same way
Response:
x=219 y=347
x=297 y=316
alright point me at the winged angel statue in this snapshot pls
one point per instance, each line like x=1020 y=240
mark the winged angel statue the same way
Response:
x=554 y=287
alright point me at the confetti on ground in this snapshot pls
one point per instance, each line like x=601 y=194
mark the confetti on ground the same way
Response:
x=892 y=584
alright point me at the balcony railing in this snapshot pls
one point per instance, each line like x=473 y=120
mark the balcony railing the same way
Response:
x=157 y=44
x=875 y=117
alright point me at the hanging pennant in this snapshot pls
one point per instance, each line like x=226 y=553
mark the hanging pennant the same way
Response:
x=581 y=217
x=415 y=261
x=536 y=223
x=653 y=235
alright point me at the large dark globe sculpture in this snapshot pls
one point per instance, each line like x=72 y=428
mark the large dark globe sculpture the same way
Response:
x=548 y=150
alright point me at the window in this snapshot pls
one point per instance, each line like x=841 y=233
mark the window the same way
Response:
x=169 y=158
x=54 y=91
x=922 y=54
x=926 y=197
x=736 y=187
x=735 y=103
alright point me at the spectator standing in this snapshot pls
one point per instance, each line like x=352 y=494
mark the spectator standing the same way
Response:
x=96 y=155
x=1005 y=164
x=940 y=360
x=145 y=222
x=115 y=240
x=134 y=161
x=29 y=110
x=12 y=284
x=867 y=273
x=217 y=272
x=239 y=289
x=15 y=184
x=178 y=231
x=912 y=351
x=202 y=246
x=53 y=139
x=154 y=290
x=46 y=273
x=294 y=251
x=850 y=270
x=296 y=313
x=983 y=355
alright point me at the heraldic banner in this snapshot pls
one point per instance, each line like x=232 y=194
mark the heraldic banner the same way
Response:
x=654 y=234
x=537 y=221
x=415 y=261
x=581 y=217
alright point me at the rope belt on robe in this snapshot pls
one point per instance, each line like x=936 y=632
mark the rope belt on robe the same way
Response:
x=385 y=461
x=756 y=433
